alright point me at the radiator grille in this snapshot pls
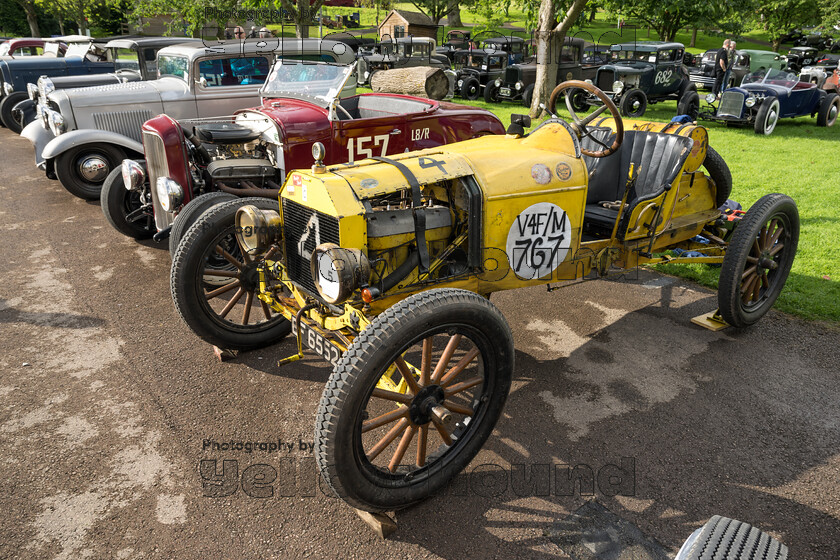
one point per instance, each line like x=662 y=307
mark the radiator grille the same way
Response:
x=127 y=123
x=511 y=75
x=731 y=104
x=157 y=166
x=605 y=80
x=303 y=230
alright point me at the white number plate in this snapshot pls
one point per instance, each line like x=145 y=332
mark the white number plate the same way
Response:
x=316 y=342
x=505 y=91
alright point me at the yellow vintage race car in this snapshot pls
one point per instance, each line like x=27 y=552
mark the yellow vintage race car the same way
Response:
x=385 y=268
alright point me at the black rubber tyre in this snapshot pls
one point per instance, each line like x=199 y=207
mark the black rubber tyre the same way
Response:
x=471 y=89
x=633 y=103
x=689 y=104
x=491 y=93
x=722 y=538
x=208 y=310
x=117 y=203
x=69 y=164
x=720 y=174
x=528 y=95
x=191 y=212
x=347 y=414
x=578 y=100
x=6 y=105
x=829 y=108
x=767 y=117
x=758 y=260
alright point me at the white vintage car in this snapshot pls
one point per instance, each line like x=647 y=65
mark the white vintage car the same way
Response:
x=82 y=134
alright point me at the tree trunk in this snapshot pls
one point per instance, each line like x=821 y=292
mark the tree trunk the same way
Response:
x=453 y=18
x=693 y=38
x=31 y=17
x=593 y=12
x=61 y=25
x=423 y=81
x=549 y=43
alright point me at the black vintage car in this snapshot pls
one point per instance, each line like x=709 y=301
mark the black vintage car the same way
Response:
x=456 y=39
x=578 y=60
x=646 y=72
x=475 y=68
x=515 y=47
x=800 y=57
x=404 y=52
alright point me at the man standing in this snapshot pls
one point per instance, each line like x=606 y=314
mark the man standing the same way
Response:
x=721 y=65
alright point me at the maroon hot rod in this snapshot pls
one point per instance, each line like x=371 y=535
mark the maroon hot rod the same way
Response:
x=192 y=165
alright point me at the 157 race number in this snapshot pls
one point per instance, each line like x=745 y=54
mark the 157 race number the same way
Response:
x=538 y=240
x=362 y=147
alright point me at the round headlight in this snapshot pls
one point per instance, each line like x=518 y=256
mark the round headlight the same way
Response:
x=460 y=83
x=8 y=88
x=318 y=151
x=257 y=229
x=518 y=85
x=133 y=175
x=617 y=86
x=56 y=123
x=32 y=91
x=750 y=101
x=45 y=86
x=170 y=194
x=338 y=272
x=710 y=98
x=498 y=82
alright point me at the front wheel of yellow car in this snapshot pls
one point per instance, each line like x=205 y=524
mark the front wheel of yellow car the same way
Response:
x=413 y=399
x=758 y=260
x=215 y=285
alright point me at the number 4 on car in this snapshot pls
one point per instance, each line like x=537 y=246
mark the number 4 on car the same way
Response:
x=385 y=267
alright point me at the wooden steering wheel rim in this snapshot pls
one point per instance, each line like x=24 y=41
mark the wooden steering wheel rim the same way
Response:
x=619 y=123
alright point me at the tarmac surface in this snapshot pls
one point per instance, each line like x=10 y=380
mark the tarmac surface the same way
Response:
x=109 y=405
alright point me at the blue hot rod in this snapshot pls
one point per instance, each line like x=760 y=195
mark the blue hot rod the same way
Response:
x=766 y=96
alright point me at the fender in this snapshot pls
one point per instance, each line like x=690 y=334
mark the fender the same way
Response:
x=74 y=138
x=26 y=108
x=40 y=137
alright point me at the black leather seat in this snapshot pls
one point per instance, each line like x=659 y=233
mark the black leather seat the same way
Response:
x=657 y=159
x=225 y=133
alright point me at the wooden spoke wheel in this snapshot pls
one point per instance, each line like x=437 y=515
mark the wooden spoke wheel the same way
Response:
x=758 y=260
x=413 y=399
x=215 y=285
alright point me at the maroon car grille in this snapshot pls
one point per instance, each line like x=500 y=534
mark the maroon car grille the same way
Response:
x=157 y=166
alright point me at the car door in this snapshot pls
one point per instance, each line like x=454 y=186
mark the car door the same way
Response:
x=369 y=136
x=667 y=78
x=223 y=84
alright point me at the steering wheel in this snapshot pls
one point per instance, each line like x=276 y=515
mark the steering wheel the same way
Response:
x=579 y=124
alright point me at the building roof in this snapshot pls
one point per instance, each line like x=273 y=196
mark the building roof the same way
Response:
x=414 y=18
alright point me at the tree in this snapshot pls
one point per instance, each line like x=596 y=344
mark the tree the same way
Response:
x=185 y=18
x=435 y=9
x=302 y=14
x=31 y=17
x=549 y=38
x=780 y=16
x=384 y=5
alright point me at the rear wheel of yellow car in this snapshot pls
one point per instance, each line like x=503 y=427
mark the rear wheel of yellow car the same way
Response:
x=221 y=306
x=767 y=117
x=758 y=260
x=829 y=108
x=413 y=399
x=720 y=174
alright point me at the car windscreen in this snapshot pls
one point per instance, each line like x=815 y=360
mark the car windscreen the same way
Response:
x=77 y=50
x=170 y=65
x=632 y=55
x=773 y=77
x=124 y=59
x=305 y=78
x=239 y=71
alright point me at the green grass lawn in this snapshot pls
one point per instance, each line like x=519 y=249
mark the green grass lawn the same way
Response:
x=799 y=159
